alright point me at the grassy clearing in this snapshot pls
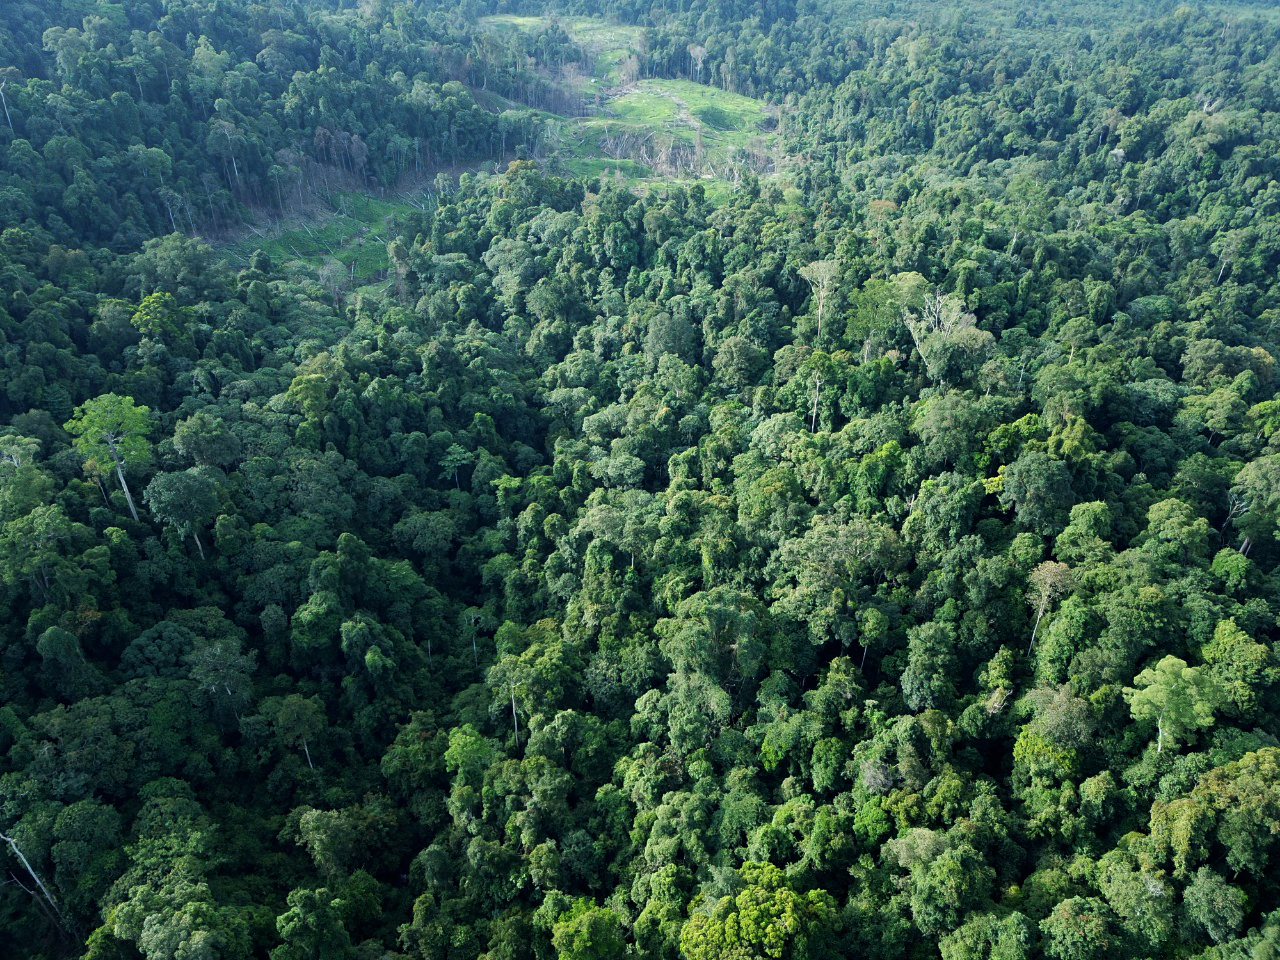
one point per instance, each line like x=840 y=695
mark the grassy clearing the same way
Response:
x=646 y=110
x=513 y=22
x=354 y=233
x=589 y=168
x=718 y=111
x=650 y=130
x=680 y=130
x=686 y=109
x=609 y=45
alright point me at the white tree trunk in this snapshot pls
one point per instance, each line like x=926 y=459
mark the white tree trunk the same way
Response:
x=13 y=844
x=125 y=487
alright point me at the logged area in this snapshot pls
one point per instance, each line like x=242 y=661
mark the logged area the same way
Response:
x=794 y=480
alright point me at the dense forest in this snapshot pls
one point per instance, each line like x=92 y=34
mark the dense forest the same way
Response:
x=877 y=558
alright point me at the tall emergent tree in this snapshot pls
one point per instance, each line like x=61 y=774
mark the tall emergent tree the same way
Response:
x=1180 y=699
x=110 y=431
x=186 y=500
x=822 y=276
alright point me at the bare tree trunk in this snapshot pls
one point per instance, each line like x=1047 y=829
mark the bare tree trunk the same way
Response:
x=6 y=107
x=13 y=844
x=125 y=487
x=1039 y=615
x=199 y=546
x=515 y=722
x=231 y=149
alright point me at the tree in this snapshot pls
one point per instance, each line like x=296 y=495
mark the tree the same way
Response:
x=223 y=675
x=990 y=936
x=297 y=721
x=588 y=932
x=1080 y=928
x=1048 y=748
x=111 y=432
x=1258 y=488
x=947 y=337
x=950 y=425
x=87 y=853
x=185 y=921
x=1086 y=538
x=1179 y=699
x=17 y=452
x=1138 y=893
x=312 y=928
x=340 y=841
x=47 y=900
x=24 y=486
x=186 y=501
x=162 y=902
x=454 y=459
x=1038 y=488
x=768 y=920
x=929 y=679
x=160 y=317
x=715 y=632
x=158 y=651
x=948 y=886
x=5 y=102
x=1248 y=670
x=207 y=440
x=1047 y=582
x=44 y=547
x=1214 y=906
x=820 y=574
x=1234 y=807
x=821 y=275
x=65 y=662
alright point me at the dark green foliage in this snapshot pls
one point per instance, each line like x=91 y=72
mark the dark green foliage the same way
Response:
x=877 y=559
x=148 y=122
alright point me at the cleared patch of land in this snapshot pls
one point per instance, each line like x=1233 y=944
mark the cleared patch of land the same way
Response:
x=648 y=130
x=346 y=242
x=608 y=45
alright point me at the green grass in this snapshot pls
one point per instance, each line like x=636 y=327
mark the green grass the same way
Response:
x=354 y=232
x=609 y=44
x=514 y=22
x=678 y=129
x=715 y=118
x=646 y=111
x=684 y=107
x=651 y=130
x=729 y=114
x=589 y=168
